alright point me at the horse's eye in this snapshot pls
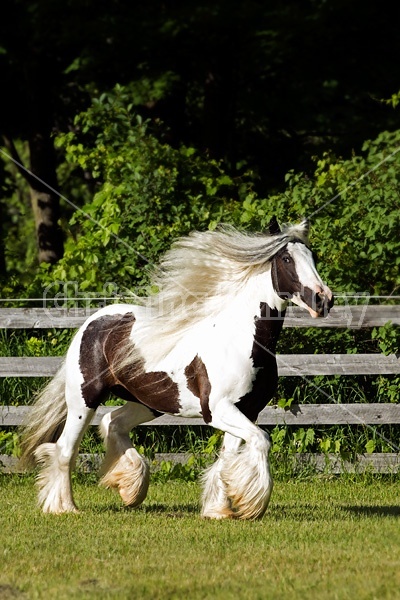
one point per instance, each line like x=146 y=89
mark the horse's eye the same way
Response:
x=286 y=258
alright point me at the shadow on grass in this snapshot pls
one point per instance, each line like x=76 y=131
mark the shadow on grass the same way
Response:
x=370 y=511
x=177 y=511
x=8 y=592
x=276 y=513
x=299 y=512
x=327 y=512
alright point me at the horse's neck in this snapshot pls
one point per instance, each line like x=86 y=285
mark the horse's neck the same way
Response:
x=256 y=303
x=268 y=312
x=267 y=294
x=268 y=328
x=228 y=317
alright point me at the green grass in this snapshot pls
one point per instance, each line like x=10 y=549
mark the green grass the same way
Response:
x=322 y=538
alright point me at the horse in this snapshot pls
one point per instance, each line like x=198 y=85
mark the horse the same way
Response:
x=203 y=345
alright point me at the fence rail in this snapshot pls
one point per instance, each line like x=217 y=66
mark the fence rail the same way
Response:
x=298 y=414
x=288 y=364
x=351 y=317
x=303 y=365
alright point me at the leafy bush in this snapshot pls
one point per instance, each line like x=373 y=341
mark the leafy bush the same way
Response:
x=147 y=193
x=356 y=226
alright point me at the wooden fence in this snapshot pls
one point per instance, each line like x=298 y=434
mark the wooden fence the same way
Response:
x=303 y=365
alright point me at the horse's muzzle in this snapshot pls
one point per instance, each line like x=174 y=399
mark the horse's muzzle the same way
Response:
x=323 y=303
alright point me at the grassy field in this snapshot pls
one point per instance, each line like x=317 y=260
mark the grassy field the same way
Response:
x=330 y=539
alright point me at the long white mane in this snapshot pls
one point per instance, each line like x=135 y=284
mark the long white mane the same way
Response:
x=198 y=274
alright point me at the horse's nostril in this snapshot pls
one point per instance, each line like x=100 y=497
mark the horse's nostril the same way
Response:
x=319 y=300
x=323 y=303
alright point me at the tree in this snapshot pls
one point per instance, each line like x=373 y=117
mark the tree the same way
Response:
x=262 y=85
x=41 y=179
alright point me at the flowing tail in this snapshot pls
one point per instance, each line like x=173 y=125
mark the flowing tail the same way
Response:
x=45 y=420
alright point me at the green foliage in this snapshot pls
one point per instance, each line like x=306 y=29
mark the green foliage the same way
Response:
x=393 y=101
x=388 y=339
x=54 y=342
x=36 y=342
x=147 y=193
x=17 y=227
x=346 y=441
x=357 y=215
x=169 y=470
x=9 y=443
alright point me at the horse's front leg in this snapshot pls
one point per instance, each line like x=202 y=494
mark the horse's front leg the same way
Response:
x=242 y=473
x=215 y=502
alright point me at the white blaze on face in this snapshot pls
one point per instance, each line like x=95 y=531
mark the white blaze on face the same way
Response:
x=308 y=277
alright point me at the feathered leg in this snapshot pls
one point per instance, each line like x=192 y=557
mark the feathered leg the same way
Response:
x=58 y=407
x=215 y=501
x=57 y=460
x=242 y=473
x=123 y=467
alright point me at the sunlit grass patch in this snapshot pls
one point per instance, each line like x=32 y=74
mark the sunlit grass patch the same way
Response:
x=321 y=538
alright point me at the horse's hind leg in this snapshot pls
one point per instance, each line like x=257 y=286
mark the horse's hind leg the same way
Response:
x=215 y=501
x=124 y=468
x=58 y=459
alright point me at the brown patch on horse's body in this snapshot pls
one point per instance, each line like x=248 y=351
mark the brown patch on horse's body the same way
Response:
x=102 y=341
x=97 y=377
x=107 y=337
x=199 y=384
x=268 y=327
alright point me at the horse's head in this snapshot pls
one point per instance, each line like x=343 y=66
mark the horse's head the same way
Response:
x=295 y=277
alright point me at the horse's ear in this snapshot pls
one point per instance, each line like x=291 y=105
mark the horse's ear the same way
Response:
x=273 y=226
x=306 y=225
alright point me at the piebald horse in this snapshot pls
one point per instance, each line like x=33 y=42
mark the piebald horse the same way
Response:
x=204 y=345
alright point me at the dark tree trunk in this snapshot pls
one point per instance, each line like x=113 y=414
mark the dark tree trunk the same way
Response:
x=44 y=198
x=42 y=181
x=2 y=249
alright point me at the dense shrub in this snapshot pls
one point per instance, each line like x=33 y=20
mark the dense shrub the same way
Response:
x=147 y=193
